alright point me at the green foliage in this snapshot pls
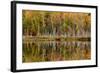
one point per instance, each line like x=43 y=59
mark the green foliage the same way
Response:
x=50 y=26
x=37 y=23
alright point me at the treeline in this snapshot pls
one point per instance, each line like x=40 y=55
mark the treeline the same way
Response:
x=40 y=23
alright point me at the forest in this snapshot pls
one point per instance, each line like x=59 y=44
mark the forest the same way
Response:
x=68 y=24
x=55 y=36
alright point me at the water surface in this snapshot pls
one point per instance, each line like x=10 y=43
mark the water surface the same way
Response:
x=40 y=51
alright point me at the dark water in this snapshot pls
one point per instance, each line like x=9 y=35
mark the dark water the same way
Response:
x=40 y=51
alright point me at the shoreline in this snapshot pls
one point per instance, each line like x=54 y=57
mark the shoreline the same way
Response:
x=55 y=38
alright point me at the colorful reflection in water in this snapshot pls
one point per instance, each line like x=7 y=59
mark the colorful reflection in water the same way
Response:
x=39 y=51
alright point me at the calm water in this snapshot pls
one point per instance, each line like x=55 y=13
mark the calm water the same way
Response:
x=40 y=51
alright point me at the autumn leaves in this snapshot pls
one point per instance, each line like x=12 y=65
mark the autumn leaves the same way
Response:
x=39 y=23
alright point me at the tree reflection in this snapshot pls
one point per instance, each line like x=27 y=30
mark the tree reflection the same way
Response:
x=37 y=51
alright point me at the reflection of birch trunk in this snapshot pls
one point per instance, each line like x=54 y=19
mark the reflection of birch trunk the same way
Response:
x=52 y=54
x=64 y=51
x=53 y=50
x=60 y=52
x=38 y=49
x=43 y=55
x=64 y=54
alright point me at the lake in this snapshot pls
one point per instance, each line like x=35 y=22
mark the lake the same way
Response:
x=41 y=51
